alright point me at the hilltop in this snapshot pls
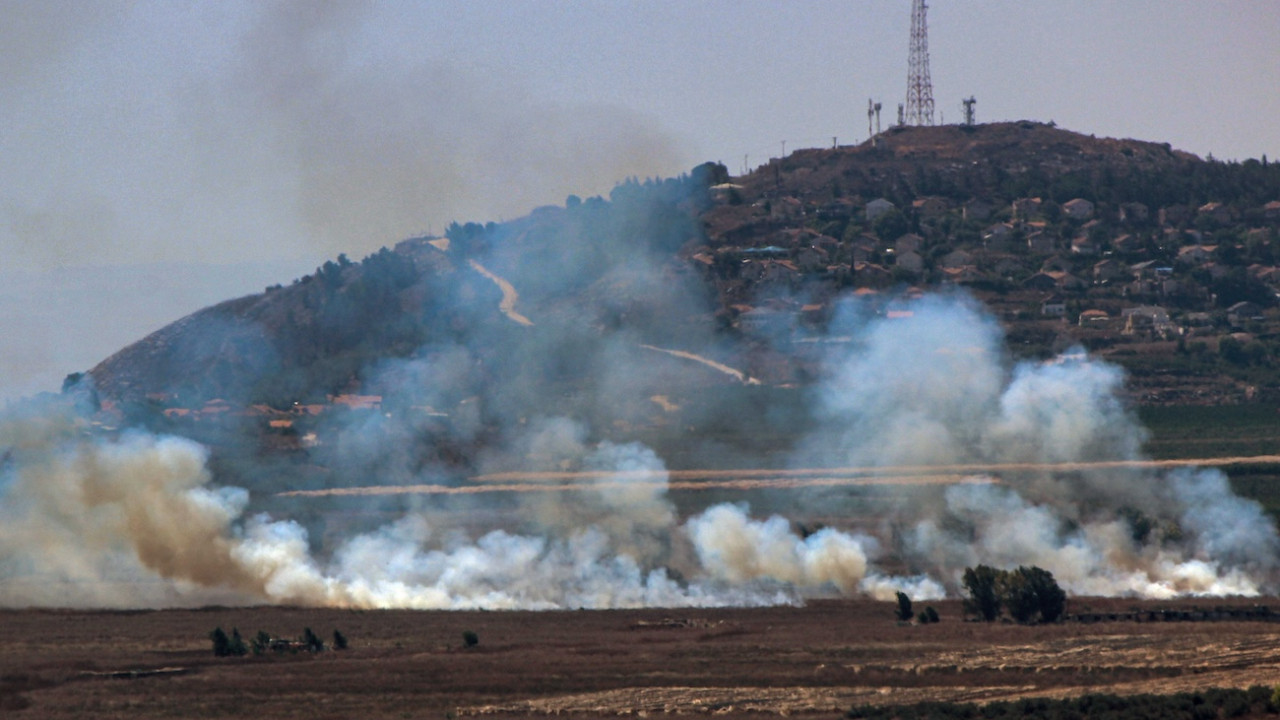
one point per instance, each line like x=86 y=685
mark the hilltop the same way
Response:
x=1155 y=258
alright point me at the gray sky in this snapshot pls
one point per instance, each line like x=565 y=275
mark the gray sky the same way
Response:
x=159 y=155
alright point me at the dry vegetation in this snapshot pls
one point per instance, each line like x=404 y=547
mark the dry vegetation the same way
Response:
x=817 y=660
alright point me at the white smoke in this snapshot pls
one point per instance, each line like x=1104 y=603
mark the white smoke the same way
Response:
x=137 y=513
x=92 y=519
x=930 y=386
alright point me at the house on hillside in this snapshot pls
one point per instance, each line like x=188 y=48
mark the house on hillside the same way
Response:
x=1041 y=243
x=1196 y=254
x=1085 y=245
x=1244 y=312
x=870 y=275
x=910 y=242
x=1216 y=212
x=956 y=258
x=1025 y=209
x=1271 y=211
x=1093 y=318
x=962 y=274
x=1078 y=209
x=1146 y=319
x=811 y=259
x=1054 y=306
x=930 y=207
x=1126 y=244
x=878 y=207
x=977 y=210
x=863 y=248
x=1133 y=213
x=1109 y=270
x=910 y=261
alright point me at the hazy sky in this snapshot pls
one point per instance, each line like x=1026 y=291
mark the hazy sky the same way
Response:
x=157 y=156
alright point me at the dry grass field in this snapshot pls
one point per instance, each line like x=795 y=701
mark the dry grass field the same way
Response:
x=813 y=661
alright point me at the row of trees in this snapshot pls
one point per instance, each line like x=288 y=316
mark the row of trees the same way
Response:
x=234 y=646
x=1028 y=594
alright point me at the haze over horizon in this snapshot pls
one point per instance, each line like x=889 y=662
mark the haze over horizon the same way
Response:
x=161 y=156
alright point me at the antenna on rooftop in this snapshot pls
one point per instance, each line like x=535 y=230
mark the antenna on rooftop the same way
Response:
x=919 y=86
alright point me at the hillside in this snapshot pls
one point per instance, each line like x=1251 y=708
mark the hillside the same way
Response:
x=1134 y=250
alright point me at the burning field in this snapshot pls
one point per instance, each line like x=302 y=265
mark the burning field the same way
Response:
x=987 y=462
x=728 y=591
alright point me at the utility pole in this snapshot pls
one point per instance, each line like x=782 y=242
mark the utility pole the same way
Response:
x=919 y=85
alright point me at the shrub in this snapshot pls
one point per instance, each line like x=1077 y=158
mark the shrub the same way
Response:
x=311 y=641
x=904 y=607
x=470 y=639
x=221 y=643
x=339 y=641
x=261 y=642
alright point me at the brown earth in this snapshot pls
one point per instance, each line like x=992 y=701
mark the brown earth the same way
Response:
x=815 y=661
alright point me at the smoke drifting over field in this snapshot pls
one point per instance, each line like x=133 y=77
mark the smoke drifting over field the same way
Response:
x=138 y=519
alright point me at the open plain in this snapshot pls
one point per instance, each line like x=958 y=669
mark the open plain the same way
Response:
x=812 y=661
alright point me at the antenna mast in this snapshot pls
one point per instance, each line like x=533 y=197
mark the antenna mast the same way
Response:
x=919 y=86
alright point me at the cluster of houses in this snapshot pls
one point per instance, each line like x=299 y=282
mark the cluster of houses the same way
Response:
x=274 y=419
x=1115 y=268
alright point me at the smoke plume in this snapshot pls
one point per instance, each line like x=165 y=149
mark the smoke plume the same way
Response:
x=136 y=519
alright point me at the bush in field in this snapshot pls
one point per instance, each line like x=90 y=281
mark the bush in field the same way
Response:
x=339 y=640
x=311 y=641
x=470 y=639
x=904 y=607
x=221 y=643
x=261 y=642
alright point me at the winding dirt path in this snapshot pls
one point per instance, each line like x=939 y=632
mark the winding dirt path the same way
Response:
x=509 y=295
x=738 y=374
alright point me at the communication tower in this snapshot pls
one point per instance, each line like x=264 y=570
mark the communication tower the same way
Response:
x=919 y=86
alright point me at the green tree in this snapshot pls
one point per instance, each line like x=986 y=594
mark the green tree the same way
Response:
x=904 y=607
x=236 y=646
x=1049 y=599
x=261 y=642
x=891 y=225
x=339 y=640
x=221 y=643
x=470 y=639
x=982 y=585
x=313 y=642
